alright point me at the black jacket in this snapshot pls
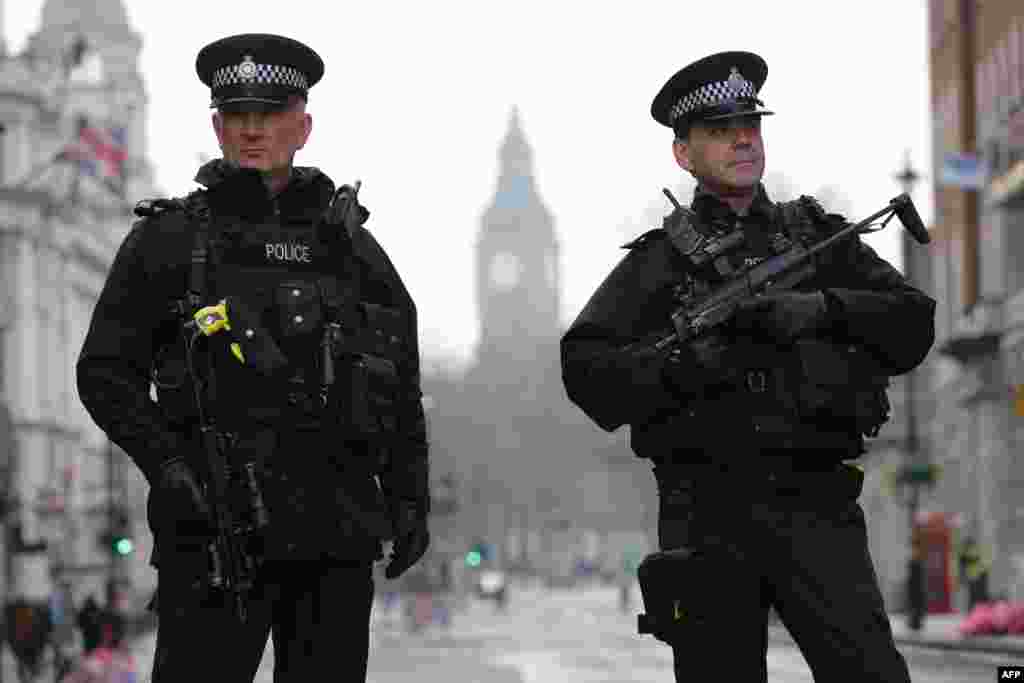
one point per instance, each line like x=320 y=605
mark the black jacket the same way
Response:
x=612 y=371
x=343 y=510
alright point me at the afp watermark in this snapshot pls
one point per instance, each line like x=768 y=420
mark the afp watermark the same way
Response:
x=1010 y=673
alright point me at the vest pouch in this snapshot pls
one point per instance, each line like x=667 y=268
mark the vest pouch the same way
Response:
x=369 y=407
x=841 y=387
x=365 y=396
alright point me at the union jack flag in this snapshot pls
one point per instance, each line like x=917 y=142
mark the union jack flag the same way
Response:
x=99 y=151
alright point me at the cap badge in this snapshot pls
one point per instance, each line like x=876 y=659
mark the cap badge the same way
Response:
x=247 y=69
x=737 y=83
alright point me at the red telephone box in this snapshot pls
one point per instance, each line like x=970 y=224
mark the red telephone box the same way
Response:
x=936 y=531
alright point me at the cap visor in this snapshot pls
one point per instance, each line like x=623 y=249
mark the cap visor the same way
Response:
x=735 y=114
x=244 y=104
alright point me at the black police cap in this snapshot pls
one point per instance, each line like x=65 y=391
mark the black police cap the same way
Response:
x=257 y=68
x=719 y=86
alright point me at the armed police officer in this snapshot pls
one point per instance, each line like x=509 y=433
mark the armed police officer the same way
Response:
x=287 y=440
x=752 y=425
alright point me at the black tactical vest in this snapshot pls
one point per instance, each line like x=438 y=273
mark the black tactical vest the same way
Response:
x=280 y=284
x=317 y=354
x=769 y=399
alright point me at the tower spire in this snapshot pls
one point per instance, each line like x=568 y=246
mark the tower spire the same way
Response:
x=517 y=256
x=516 y=157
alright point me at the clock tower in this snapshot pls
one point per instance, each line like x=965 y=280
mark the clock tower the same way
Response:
x=517 y=261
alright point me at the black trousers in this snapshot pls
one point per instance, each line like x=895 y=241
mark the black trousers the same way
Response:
x=318 y=614
x=795 y=542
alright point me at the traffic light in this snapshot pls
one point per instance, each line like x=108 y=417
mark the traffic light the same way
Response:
x=117 y=538
x=478 y=553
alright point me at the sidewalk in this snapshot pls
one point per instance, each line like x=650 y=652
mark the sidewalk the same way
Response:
x=940 y=631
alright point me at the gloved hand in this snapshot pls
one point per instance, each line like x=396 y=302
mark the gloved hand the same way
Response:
x=182 y=506
x=783 y=316
x=412 y=537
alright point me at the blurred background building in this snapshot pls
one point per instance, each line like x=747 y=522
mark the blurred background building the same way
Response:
x=968 y=405
x=535 y=480
x=72 y=163
x=977 y=59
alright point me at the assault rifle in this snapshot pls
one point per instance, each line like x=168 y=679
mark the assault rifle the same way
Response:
x=231 y=562
x=702 y=313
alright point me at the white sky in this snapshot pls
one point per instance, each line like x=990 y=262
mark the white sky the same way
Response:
x=416 y=98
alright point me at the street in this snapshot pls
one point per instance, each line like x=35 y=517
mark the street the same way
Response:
x=578 y=636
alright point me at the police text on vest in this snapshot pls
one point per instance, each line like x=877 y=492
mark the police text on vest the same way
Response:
x=288 y=251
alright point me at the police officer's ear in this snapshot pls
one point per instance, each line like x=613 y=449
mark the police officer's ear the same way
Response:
x=297 y=107
x=218 y=126
x=681 y=151
x=307 y=128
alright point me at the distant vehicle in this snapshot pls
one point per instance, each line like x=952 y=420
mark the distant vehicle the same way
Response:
x=492 y=584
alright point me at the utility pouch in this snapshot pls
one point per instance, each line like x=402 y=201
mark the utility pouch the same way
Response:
x=366 y=396
x=841 y=386
x=674 y=584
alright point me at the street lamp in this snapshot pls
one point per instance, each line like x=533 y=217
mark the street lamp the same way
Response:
x=916 y=471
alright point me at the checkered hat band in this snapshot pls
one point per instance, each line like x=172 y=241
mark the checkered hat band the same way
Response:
x=711 y=94
x=264 y=74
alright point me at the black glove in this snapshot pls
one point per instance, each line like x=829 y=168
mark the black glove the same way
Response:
x=181 y=506
x=411 y=540
x=783 y=316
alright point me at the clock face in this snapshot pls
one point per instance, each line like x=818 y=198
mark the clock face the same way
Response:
x=505 y=270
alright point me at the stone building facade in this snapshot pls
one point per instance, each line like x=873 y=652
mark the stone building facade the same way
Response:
x=59 y=230
x=977 y=276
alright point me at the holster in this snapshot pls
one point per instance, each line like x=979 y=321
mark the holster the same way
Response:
x=674 y=586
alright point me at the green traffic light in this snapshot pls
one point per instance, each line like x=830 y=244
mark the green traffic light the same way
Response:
x=473 y=558
x=124 y=546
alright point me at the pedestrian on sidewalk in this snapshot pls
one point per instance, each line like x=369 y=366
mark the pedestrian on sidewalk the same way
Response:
x=105 y=657
x=974 y=570
x=749 y=404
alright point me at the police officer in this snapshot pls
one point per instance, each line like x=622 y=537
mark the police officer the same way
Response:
x=274 y=327
x=751 y=428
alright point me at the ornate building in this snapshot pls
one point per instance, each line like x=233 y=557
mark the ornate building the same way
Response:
x=59 y=229
x=536 y=478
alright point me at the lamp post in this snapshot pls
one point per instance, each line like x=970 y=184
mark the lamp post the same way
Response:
x=915 y=472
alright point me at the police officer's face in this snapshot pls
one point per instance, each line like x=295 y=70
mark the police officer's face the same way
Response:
x=263 y=140
x=727 y=154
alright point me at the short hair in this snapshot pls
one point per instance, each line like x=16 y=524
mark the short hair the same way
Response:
x=682 y=129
